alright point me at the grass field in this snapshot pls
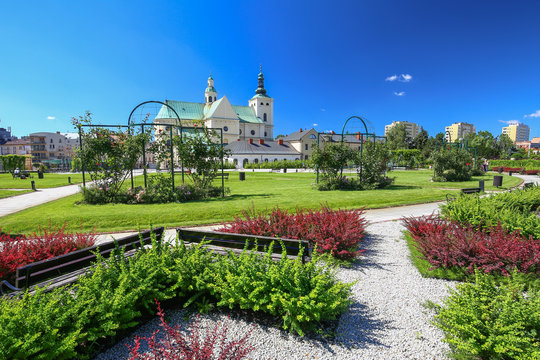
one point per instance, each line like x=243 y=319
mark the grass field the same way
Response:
x=260 y=190
x=8 y=193
x=49 y=181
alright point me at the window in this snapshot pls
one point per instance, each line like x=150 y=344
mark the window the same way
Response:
x=267 y=104
x=240 y=131
x=215 y=98
x=59 y=140
x=312 y=136
x=306 y=146
x=51 y=141
x=262 y=103
x=256 y=161
x=264 y=117
x=265 y=160
x=306 y=157
x=265 y=133
x=252 y=132
x=225 y=128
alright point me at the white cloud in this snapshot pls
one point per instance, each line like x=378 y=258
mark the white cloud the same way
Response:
x=315 y=125
x=51 y=118
x=405 y=78
x=509 y=122
x=535 y=114
x=400 y=93
x=323 y=110
x=401 y=78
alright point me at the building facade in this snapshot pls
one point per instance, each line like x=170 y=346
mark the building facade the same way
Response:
x=517 y=132
x=53 y=149
x=411 y=128
x=18 y=147
x=458 y=131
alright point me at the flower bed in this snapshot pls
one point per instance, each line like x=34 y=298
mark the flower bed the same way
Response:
x=46 y=243
x=337 y=232
x=448 y=245
x=119 y=291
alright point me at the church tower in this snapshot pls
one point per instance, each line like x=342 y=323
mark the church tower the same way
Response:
x=263 y=106
x=210 y=94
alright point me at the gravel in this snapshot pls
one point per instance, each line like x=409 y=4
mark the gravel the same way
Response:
x=386 y=320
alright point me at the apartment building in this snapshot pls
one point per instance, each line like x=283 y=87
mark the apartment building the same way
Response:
x=458 y=131
x=517 y=132
x=18 y=147
x=412 y=129
x=54 y=149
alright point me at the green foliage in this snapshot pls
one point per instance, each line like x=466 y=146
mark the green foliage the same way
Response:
x=452 y=164
x=373 y=166
x=404 y=157
x=12 y=162
x=397 y=137
x=281 y=164
x=112 y=297
x=331 y=159
x=514 y=211
x=486 y=320
x=302 y=295
x=199 y=151
x=108 y=155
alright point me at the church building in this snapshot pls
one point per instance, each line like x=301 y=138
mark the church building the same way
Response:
x=255 y=121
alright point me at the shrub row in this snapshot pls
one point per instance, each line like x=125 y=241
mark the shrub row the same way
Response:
x=41 y=245
x=159 y=190
x=488 y=320
x=527 y=164
x=450 y=245
x=513 y=211
x=337 y=232
x=280 y=164
x=64 y=324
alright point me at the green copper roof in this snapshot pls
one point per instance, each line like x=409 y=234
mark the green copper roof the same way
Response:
x=210 y=89
x=246 y=114
x=260 y=96
x=185 y=110
x=197 y=111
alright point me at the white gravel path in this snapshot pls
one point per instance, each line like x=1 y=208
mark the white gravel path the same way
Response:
x=386 y=320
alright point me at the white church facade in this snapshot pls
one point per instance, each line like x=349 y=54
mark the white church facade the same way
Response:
x=248 y=131
x=255 y=121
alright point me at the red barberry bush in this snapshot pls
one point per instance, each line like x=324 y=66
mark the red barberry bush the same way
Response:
x=194 y=345
x=337 y=232
x=447 y=244
x=44 y=244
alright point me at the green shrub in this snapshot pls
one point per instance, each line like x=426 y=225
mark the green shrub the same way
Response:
x=452 y=164
x=528 y=164
x=514 y=211
x=64 y=324
x=484 y=320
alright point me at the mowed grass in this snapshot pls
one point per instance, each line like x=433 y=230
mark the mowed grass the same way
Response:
x=49 y=180
x=8 y=193
x=260 y=190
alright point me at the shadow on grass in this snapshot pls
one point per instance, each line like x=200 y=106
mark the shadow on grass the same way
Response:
x=236 y=197
x=401 y=187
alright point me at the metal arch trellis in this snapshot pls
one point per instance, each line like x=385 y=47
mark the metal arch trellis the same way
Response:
x=359 y=136
x=177 y=125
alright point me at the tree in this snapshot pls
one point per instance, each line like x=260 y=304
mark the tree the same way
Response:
x=330 y=161
x=452 y=164
x=420 y=141
x=198 y=150
x=12 y=162
x=397 y=137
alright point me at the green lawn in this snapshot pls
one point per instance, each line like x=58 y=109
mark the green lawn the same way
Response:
x=8 y=193
x=48 y=181
x=260 y=190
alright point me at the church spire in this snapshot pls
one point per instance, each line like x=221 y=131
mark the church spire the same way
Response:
x=210 y=94
x=261 y=90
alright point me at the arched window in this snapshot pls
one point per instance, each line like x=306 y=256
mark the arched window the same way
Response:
x=225 y=128
x=252 y=132
x=264 y=117
x=256 y=161
x=235 y=162
x=265 y=133
x=240 y=131
x=267 y=104
x=215 y=98
x=262 y=103
x=245 y=162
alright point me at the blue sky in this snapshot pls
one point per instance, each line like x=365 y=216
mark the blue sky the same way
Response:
x=471 y=61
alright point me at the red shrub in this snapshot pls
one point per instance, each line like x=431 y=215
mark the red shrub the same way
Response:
x=447 y=244
x=175 y=345
x=47 y=243
x=337 y=232
x=507 y=169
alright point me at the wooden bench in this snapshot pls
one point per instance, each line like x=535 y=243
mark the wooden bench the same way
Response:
x=65 y=269
x=471 y=190
x=220 y=242
x=222 y=176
